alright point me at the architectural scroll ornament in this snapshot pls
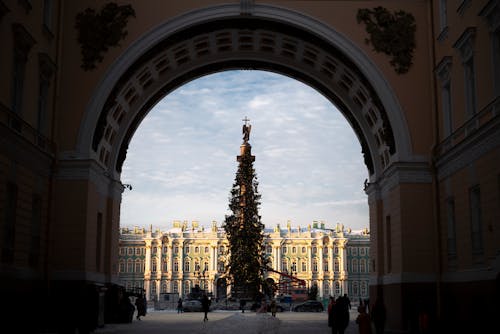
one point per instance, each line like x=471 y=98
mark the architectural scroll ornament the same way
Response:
x=391 y=33
x=97 y=32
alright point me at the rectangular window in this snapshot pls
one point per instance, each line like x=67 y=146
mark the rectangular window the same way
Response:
x=388 y=243
x=98 y=241
x=446 y=105
x=36 y=221
x=470 y=87
x=475 y=220
x=42 y=106
x=9 y=226
x=443 y=14
x=451 y=233
x=496 y=64
x=47 y=14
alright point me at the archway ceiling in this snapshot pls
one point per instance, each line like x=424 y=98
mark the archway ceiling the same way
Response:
x=243 y=43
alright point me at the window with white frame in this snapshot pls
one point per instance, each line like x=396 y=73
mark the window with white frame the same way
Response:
x=465 y=45
x=355 y=288
x=364 y=288
x=303 y=250
x=354 y=265
x=337 y=288
x=138 y=266
x=336 y=265
x=130 y=266
x=304 y=266
x=475 y=220
x=175 y=287
x=176 y=266
x=207 y=250
x=187 y=266
x=325 y=265
x=130 y=251
x=187 y=286
x=122 y=266
x=315 y=266
x=362 y=265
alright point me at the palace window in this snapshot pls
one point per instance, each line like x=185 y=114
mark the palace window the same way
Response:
x=314 y=250
x=269 y=249
x=205 y=266
x=355 y=288
x=337 y=288
x=130 y=251
x=122 y=250
x=187 y=266
x=315 y=266
x=362 y=265
x=186 y=249
x=362 y=251
x=325 y=265
x=187 y=287
x=303 y=250
x=165 y=249
x=196 y=266
x=153 y=249
x=176 y=250
x=130 y=266
x=163 y=287
x=336 y=250
x=326 y=289
x=137 y=251
x=364 y=289
x=165 y=267
x=197 y=249
x=284 y=265
x=221 y=249
x=304 y=266
x=122 y=266
x=294 y=266
x=206 y=250
x=465 y=45
x=451 y=232
x=336 y=265
x=175 y=287
x=475 y=220
x=283 y=249
x=153 y=266
x=138 y=266
x=220 y=267
x=176 y=266
x=294 y=250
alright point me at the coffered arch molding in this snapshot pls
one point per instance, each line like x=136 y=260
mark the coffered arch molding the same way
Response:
x=219 y=38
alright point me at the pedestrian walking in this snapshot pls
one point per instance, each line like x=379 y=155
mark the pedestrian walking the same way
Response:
x=205 y=304
x=273 y=308
x=140 y=304
x=242 y=305
x=179 y=305
x=332 y=323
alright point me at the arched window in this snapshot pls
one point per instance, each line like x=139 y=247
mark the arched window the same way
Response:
x=187 y=266
x=303 y=250
x=205 y=266
x=138 y=266
x=284 y=265
x=314 y=250
x=165 y=267
x=336 y=250
x=304 y=266
x=176 y=266
x=294 y=250
x=175 y=287
x=197 y=249
x=362 y=265
x=269 y=249
x=187 y=286
x=153 y=266
x=122 y=266
x=186 y=249
x=206 y=250
x=130 y=266
x=220 y=267
x=163 y=287
x=355 y=288
x=326 y=289
x=336 y=265
x=354 y=265
x=283 y=249
x=294 y=266
x=176 y=250
x=364 y=290
x=337 y=288
x=196 y=266
x=315 y=266
x=325 y=265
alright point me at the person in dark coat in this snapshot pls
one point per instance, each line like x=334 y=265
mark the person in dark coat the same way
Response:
x=205 y=304
x=140 y=304
x=378 y=315
x=341 y=311
x=179 y=305
x=331 y=315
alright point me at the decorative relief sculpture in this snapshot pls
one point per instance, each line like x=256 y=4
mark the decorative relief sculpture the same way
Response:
x=97 y=32
x=391 y=33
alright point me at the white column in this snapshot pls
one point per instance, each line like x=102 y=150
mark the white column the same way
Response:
x=309 y=258
x=320 y=262
x=147 y=268
x=278 y=264
x=214 y=258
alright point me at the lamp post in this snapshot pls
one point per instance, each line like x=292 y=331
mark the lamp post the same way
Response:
x=201 y=278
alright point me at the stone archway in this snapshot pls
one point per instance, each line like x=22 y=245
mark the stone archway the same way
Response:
x=273 y=39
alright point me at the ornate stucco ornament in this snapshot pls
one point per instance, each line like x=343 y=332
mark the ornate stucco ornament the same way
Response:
x=97 y=32
x=391 y=33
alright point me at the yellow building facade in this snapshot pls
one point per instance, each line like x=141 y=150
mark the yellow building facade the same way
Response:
x=174 y=261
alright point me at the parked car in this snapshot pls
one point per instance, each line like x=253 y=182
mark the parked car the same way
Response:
x=309 y=306
x=192 y=305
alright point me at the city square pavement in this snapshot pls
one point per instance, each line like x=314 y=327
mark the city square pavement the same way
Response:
x=234 y=322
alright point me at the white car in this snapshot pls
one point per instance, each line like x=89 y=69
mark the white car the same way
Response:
x=192 y=305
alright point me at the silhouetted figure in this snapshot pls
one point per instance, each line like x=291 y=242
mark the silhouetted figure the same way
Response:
x=140 y=304
x=341 y=311
x=127 y=309
x=363 y=321
x=332 y=321
x=273 y=308
x=348 y=301
x=179 y=305
x=242 y=305
x=205 y=304
x=378 y=315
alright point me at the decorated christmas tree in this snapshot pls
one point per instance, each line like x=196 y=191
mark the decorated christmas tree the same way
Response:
x=243 y=227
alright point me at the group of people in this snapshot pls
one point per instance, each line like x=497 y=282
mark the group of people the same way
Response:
x=338 y=315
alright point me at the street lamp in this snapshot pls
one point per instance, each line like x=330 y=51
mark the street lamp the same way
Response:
x=201 y=277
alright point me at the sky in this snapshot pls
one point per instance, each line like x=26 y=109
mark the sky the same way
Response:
x=181 y=161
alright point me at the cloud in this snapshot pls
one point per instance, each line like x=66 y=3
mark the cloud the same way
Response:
x=182 y=158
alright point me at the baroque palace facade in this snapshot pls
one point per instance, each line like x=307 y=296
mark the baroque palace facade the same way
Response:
x=175 y=261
